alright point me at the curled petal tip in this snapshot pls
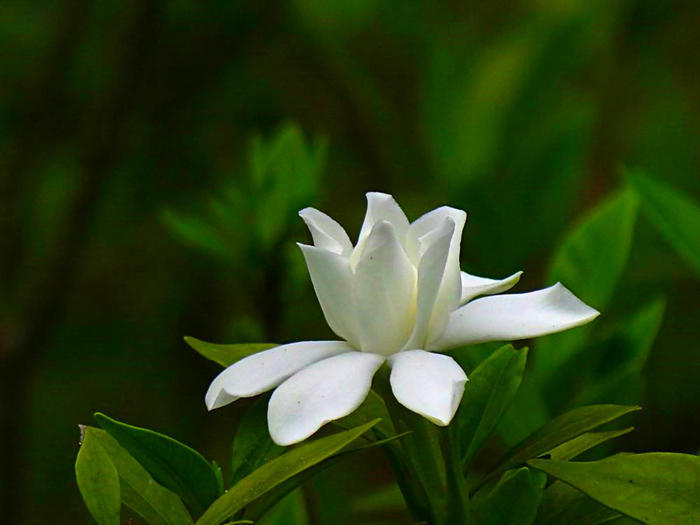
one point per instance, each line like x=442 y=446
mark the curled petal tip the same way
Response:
x=575 y=304
x=217 y=397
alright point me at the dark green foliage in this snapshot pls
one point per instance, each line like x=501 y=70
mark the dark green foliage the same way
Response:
x=520 y=113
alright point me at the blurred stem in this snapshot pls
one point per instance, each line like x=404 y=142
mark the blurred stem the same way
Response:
x=422 y=450
x=459 y=507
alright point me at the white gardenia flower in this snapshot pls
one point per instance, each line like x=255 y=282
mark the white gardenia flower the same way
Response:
x=398 y=296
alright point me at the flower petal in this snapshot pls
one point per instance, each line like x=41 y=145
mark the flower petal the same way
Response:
x=380 y=207
x=431 y=270
x=515 y=316
x=333 y=278
x=260 y=372
x=385 y=287
x=320 y=393
x=326 y=232
x=473 y=286
x=428 y=384
x=383 y=207
x=450 y=288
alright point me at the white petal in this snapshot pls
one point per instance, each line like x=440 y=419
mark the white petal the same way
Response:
x=380 y=207
x=318 y=394
x=451 y=287
x=265 y=370
x=326 y=232
x=429 y=384
x=473 y=286
x=431 y=270
x=333 y=278
x=385 y=287
x=515 y=316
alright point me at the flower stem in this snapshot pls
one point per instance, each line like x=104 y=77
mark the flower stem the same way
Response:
x=459 y=506
x=422 y=453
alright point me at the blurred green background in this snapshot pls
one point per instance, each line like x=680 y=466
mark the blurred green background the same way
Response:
x=139 y=206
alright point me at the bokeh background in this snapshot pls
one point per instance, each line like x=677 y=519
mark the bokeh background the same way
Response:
x=153 y=156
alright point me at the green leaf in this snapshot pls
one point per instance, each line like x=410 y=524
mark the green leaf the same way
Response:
x=514 y=500
x=197 y=233
x=491 y=388
x=171 y=463
x=616 y=363
x=563 y=505
x=560 y=430
x=285 y=171
x=280 y=469
x=98 y=481
x=139 y=491
x=527 y=413
x=584 y=442
x=590 y=262
x=674 y=213
x=252 y=445
x=659 y=488
x=226 y=355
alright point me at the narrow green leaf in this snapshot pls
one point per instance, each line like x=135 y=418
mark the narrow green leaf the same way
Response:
x=564 y=505
x=659 y=488
x=226 y=355
x=219 y=476
x=259 y=507
x=584 y=442
x=491 y=388
x=674 y=213
x=560 y=430
x=514 y=500
x=277 y=471
x=590 y=262
x=98 y=481
x=252 y=445
x=459 y=508
x=171 y=463
x=139 y=491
